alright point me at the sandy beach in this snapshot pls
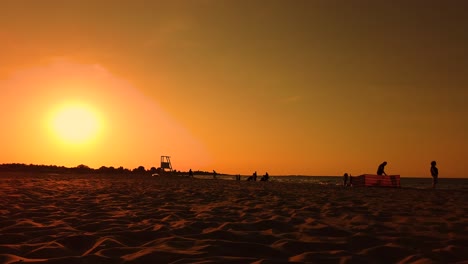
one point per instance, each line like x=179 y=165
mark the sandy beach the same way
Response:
x=141 y=219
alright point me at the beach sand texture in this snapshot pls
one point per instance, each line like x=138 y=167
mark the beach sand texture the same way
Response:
x=141 y=219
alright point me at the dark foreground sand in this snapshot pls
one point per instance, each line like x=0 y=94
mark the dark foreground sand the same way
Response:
x=120 y=219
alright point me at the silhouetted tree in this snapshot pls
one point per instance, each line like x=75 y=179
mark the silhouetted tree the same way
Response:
x=103 y=169
x=140 y=169
x=120 y=169
x=83 y=169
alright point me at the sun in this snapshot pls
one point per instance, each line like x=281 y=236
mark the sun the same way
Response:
x=75 y=124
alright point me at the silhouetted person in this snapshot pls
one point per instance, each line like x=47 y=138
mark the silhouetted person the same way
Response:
x=345 y=179
x=190 y=173
x=434 y=174
x=214 y=174
x=381 y=169
x=254 y=176
x=265 y=177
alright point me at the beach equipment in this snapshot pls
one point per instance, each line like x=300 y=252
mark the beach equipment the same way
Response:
x=376 y=180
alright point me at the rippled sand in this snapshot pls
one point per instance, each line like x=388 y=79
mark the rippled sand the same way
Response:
x=139 y=219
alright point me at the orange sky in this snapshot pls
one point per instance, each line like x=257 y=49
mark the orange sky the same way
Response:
x=288 y=87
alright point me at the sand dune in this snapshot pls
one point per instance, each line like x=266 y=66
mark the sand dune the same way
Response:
x=130 y=219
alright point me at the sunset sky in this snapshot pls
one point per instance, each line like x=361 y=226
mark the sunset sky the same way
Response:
x=289 y=87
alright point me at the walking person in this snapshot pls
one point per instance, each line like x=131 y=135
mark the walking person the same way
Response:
x=434 y=174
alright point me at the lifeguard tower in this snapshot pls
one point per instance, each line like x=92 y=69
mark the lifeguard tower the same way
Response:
x=166 y=163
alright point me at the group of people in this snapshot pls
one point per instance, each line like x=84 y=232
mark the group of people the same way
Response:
x=381 y=171
x=265 y=177
x=347 y=179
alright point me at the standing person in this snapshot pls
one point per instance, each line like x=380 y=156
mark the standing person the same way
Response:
x=214 y=174
x=190 y=173
x=345 y=179
x=255 y=176
x=434 y=174
x=381 y=168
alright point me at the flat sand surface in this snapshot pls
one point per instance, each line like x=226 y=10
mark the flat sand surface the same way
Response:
x=143 y=219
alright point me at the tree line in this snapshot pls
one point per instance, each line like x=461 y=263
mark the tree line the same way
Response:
x=84 y=169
